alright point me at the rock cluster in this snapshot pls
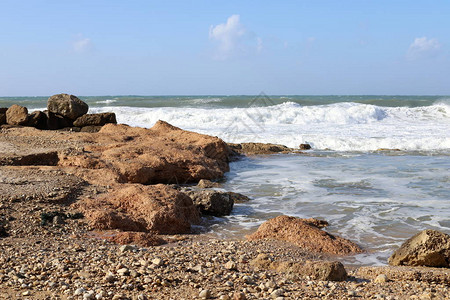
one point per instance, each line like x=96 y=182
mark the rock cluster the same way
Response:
x=305 y=233
x=63 y=111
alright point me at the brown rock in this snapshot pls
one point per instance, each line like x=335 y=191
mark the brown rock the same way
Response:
x=305 y=234
x=205 y=184
x=95 y=119
x=258 y=148
x=143 y=239
x=321 y=270
x=428 y=248
x=91 y=129
x=17 y=115
x=162 y=154
x=305 y=147
x=37 y=119
x=237 y=197
x=132 y=207
x=56 y=121
x=68 y=106
x=212 y=203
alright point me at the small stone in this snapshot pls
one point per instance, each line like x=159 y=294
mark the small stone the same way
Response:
x=239 y=296
x=205 y=294
x=141 y=297
x=247 y=279
x=382 y=278
x=277 y=293
x=224 y=297
x=89 y=295
x=352 y=293
x=110 y=278
x=26 y=293
x=123 y=272
x=125 y=248
x=79 y=292
x=157 y=262
x=230 y=265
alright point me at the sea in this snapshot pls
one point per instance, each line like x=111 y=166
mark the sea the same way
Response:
x=378 y=170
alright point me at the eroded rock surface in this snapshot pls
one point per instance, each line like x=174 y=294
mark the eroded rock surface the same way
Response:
x=429 y=248
x=17 y=115
x=305 y=233
x=68 y=106
x=259 y=148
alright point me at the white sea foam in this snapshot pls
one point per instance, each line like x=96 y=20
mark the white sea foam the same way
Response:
x=340 y=126
x=107 y=101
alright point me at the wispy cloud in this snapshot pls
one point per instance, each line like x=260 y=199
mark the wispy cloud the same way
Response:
x=423 y=47
x=81 y=44
x=232 y=39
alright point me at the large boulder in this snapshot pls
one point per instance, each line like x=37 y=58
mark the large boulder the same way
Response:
x=3 y=115
x=305 y=233
x=428 y=248
x=17 y=115
x=37 y=119
x=132 y=207
x=95 y=119
x=214 y=203
x=68 y=106
x=162 y=154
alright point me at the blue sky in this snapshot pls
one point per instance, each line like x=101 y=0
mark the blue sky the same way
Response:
x=224 y=47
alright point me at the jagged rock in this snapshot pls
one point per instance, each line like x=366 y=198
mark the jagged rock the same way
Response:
x=37 y=119
x=238 y=198
x=429 y=248
x=305 y=233
x=143 y=239
x=133 y=207
x=95 y=119
x=212 y=203
x=17 y=115
x=258 y=148
x=68 y=106
x=3 y=115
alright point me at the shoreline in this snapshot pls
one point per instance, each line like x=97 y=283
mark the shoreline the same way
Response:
x=63 y=250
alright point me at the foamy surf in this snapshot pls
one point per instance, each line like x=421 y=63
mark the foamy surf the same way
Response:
x=338 y=127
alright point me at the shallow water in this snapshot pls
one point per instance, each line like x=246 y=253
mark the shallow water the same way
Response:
x=376 y=200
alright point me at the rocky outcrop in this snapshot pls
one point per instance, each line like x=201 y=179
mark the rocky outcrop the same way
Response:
x=162 y=154
x=68 y=106
x=213 y=203
x=17 y=115
x=428 y=248
x=258 y=148
x=316 y=270
x=95 y=119
x=132 y=207
x=305 y=233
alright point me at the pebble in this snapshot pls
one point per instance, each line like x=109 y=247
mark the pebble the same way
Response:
x=382 y=278
x=157 y=262
x=205 y=294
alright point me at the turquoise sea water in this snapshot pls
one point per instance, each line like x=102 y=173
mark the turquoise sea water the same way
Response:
x=375 y=198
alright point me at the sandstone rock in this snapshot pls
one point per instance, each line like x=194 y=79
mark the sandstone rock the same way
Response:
x=132 y=207
x=258 y=148
x=428 y=248
x=162 y=154
x=212 y=203
x=322 y=270
x=3 y=115
x=68 y=106
x=37 y=119
x=305 y=234
x=205 y=184
x=143 y=239
x=17 y=115
x=95 y=119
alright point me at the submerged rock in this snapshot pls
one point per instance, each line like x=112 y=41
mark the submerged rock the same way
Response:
x=68 y=106
x=429 y=248
x=258 y=148
x=305 y=233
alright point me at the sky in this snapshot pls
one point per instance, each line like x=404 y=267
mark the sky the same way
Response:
x=232 y=47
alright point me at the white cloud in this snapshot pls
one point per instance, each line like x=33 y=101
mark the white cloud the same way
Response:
x=233 y=39
x=423 y=47
x=81 y=44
